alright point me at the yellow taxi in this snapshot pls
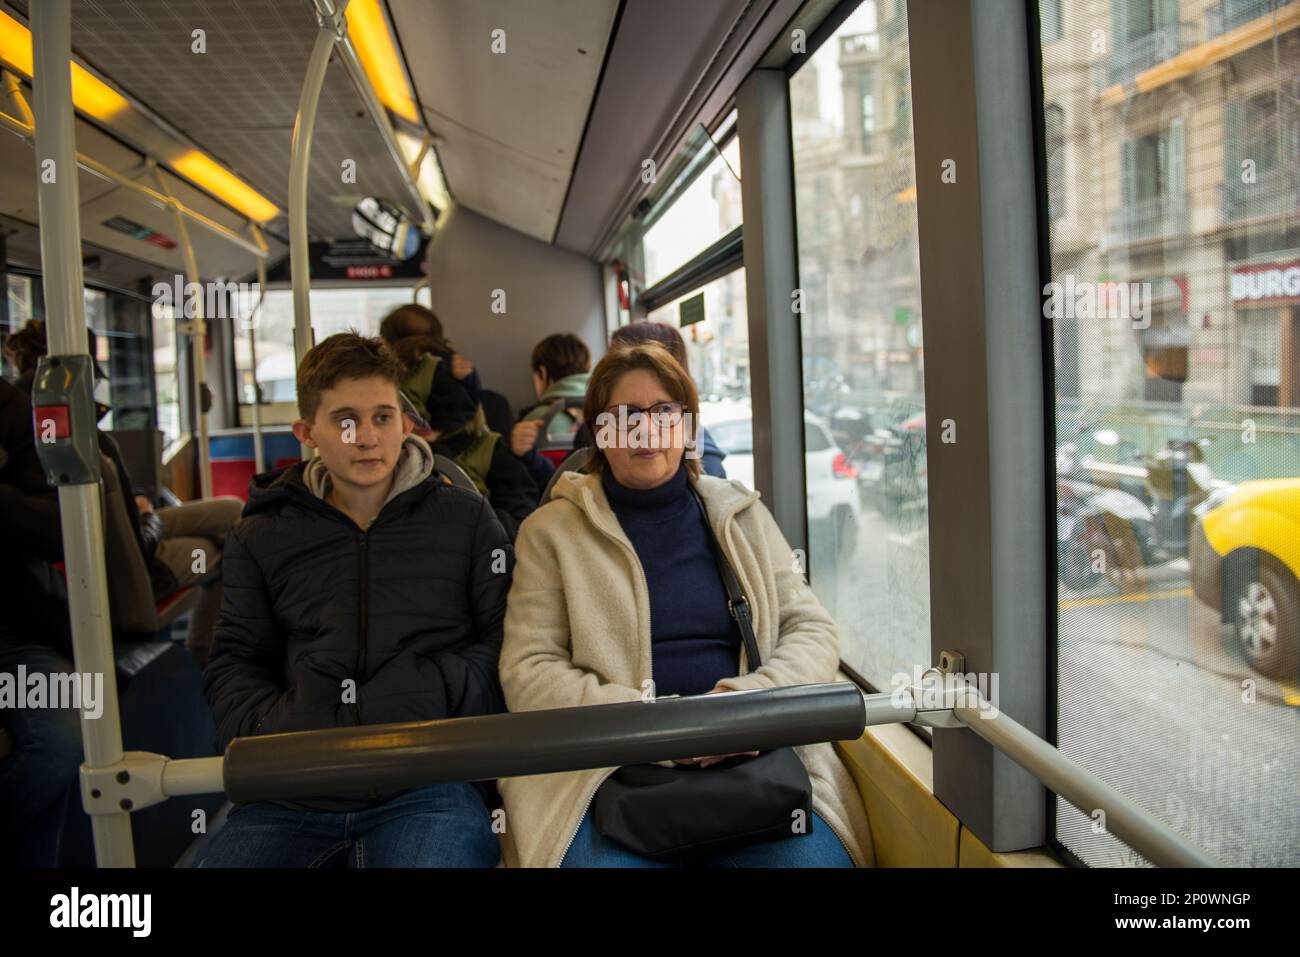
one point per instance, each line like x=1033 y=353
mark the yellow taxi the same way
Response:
x=1245 y=562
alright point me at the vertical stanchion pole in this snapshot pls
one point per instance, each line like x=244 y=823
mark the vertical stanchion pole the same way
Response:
x=259 y=455
x=79 y=505
x=196 y=332
x=304 y=124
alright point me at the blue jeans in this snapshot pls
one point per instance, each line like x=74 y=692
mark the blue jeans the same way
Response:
x=36 y=779
x=442 y=825
x=818 y=848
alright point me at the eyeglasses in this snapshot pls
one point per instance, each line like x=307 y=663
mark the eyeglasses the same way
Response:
x=662 y=414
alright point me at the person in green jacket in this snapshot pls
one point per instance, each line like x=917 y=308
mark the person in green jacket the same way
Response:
x=456 y=426
x=561 y=367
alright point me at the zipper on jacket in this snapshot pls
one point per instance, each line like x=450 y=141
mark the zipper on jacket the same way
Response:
x=363 y=630
x=585 y=807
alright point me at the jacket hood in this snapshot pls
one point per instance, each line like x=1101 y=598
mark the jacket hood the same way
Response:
x=570 y=387
x=414 y=465
x=723 y=498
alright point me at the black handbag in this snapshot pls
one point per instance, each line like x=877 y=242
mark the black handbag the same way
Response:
x=683 y=813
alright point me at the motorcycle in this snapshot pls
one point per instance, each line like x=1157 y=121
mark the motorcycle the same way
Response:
x=1101 y=533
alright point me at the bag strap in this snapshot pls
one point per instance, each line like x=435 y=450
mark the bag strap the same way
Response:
x=737 y=604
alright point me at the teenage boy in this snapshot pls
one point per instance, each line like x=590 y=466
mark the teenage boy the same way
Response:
x=360 y=588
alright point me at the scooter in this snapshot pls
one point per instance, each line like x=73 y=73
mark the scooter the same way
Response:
x=1178 y=480
x=1101 y=533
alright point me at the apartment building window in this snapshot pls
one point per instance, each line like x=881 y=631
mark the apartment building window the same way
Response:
x=1145 y=32
x=1050 y=15
x=867 y=96
x=1054 y=122
x=1153 y=185
x=1261 y=136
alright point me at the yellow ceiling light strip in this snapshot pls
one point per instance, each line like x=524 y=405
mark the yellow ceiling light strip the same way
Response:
x=90 y=94
x=95 y=98
x=225 y=185
x=429 y=178
x=368 y=30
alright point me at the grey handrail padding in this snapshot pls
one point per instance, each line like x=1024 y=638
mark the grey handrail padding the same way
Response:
x=391 y=757
x=454 y=472
x=572 y=462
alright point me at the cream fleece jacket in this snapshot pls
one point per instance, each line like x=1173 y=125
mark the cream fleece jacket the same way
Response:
x=577 y=632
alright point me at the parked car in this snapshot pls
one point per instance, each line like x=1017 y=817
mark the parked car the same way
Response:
x=1245 y=560
x=892 y=464
x=832 y=479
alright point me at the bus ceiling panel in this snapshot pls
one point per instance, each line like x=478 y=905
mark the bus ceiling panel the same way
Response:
x=102 y=267
x=673 y=64
x=509 y=187
x=509 y=108
x=237 y=100
x=128 y=222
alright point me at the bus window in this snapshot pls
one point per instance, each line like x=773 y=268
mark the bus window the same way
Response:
x=706 y=208
x=859 y=282
x=717 y=350
x=332 y=310
x=164 y=372
x=1175 y=304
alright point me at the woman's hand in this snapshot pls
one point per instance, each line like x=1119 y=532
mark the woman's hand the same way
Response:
x=715 y=758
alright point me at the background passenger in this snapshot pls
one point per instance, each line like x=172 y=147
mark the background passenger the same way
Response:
x=440 y=382
x=359 y=590
x=561 y=366
x=168 y=537
x=585 y=626
x=37 y=777
x=458 y=430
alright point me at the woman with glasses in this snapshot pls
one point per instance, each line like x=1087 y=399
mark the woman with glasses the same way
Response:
x=619 y=595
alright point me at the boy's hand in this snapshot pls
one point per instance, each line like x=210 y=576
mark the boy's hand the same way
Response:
x=523 y=437
x=461 y=367
x=143 y=504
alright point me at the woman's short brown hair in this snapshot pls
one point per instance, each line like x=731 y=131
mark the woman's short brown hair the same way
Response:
x=657 y=360
x=648 y=331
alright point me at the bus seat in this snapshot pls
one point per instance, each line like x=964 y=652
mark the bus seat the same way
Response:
x=454 y=472
x=556 y=448
x=571 y=463
x=142 y=451
x=163 y=711
x=177 y=604
x=131 y=601
x=894 y=772
x=496 y=409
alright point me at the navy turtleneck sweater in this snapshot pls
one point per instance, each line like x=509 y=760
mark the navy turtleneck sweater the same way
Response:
x=695 y=642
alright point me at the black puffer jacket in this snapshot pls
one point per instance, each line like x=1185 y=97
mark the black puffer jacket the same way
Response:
x=33 y=599
x=411 y=610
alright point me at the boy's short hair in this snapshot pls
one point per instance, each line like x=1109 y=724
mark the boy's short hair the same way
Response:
x=560 y=355
x=344 y=355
